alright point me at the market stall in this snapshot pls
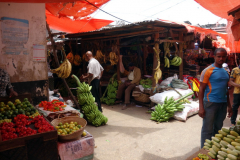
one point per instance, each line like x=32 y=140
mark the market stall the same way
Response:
x=181 y=50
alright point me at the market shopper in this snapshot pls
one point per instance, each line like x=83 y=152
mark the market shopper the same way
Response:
x=213 y=96
x=5 y=85
x=134 y=77
x=95 y=71
x=235 y=81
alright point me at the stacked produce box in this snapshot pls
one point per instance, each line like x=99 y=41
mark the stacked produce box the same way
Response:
x=225 y=145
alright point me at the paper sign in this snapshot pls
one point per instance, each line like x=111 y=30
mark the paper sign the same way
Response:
x=39 y=53
x=14 y=35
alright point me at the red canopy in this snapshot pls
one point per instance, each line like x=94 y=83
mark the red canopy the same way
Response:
x=219 y=7
x=76 y=9
x=66 y=24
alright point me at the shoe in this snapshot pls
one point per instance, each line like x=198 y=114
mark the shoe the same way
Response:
x=124 y=107
x=232 y=125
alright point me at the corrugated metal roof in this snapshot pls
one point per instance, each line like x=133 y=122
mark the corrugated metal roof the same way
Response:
x=138 y=26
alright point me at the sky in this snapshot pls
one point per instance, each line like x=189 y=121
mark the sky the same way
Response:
x=174 y=10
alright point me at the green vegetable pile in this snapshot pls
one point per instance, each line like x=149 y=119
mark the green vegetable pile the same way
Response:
x=163 y=112
x=111 y=91
x=87 y=101
x=203 y=156
x=146 y=83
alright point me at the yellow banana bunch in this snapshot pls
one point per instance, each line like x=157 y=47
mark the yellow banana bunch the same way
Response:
x=64 y=70
x=167 y=51
x=99 y=56
x=113 y=58
x=158 y=72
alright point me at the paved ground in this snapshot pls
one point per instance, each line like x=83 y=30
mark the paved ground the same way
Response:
x=131 y=135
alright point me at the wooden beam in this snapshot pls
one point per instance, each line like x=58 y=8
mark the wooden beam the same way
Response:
x=145 y=53
x=181 y=56
x=127 y=34
x=118 y=64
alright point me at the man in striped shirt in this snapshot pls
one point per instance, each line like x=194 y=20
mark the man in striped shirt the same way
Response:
x=213 y=96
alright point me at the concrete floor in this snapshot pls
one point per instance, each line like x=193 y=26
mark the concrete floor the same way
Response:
x=131 y=135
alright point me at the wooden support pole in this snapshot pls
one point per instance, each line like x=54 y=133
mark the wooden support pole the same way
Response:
x=57 y=62
x=145 y=59
x=118 y=64
x=156 y=36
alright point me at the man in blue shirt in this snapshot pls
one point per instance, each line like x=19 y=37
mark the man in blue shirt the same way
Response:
x=213 y=96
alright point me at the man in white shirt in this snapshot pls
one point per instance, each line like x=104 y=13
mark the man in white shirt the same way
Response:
x=95 y=71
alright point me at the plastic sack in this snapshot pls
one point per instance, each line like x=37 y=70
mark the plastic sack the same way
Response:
x=189 y=110
x=167 y=81
x=159 y=98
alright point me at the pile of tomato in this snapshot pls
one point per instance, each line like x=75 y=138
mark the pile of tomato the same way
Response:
x=53 y=106
x=19 y=127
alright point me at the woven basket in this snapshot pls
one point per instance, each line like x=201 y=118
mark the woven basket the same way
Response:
x=142 y=98
x=74 y=135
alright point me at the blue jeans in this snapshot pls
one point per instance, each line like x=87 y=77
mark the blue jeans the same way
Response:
x=215 y=113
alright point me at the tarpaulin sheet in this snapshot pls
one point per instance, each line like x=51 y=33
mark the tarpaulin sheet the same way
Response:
x=219 y=7
x=76 y=9
x=61 y=8
x=226 y=42
x=66 y=24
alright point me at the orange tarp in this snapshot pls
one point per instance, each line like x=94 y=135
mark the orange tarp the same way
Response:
x=219 y=7
x=76 y=9
x=66 y=24
x=225 y=42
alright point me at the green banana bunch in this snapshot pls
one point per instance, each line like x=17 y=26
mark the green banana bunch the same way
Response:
x=146 y=83
x=165 y=111
x=111 y=91
x=176 y=61
x=87 y=101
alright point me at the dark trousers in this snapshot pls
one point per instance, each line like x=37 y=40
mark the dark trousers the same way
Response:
x=123 y=88
x=215 y=113
x=95 y=92
x=235 y=106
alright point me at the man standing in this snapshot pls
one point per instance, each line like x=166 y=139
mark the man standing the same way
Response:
x=134 y=77
x=213 y=96
x=235 y=81
x=5 y=84
x=95 y=71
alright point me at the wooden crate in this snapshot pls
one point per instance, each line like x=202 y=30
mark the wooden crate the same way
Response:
x=35 y=147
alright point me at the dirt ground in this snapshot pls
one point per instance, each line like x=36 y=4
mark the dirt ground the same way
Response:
x=131 y=135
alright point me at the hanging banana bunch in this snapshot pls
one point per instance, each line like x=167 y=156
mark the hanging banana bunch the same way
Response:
x=99 y=56
x=113 y=58
x=70 y=57
x=77 y=60
x=177 y=61
x=158 y=72
x=167 y=51
x=64 y=70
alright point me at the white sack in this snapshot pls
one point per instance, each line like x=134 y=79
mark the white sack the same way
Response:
x=167 y=81
x=189 y=110
x=160 y=97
